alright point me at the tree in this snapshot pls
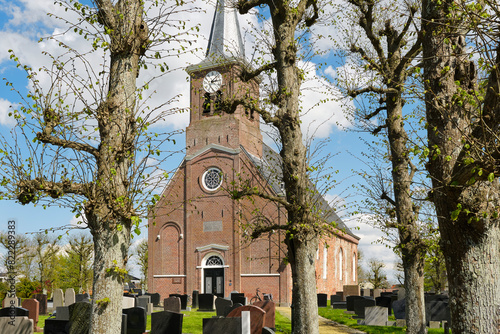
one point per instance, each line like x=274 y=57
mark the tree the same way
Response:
x=304 y=223
x=376 y=274
x=141 y=252
x=19 y=249
x=462 y=110
x=76 y=266
x=83 y=140
x=388 y=51
x=44 y=250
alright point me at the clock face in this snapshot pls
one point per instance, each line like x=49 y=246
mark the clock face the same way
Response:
x=212 y=82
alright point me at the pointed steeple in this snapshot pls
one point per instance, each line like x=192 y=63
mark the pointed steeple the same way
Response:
x=225 y=36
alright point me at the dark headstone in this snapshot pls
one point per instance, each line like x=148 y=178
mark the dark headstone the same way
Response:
x=257 y=317
x=341 y=294
x=206 y=301
x=350 y=302
x=222 y=325
x=432 y=298
x=14 y=312
x=124 y=324
x=143 y=301
x=238 y=298
x=62 y=313
x=42 y=302
x=339 y=305
x=335 y=299
x=220 y=306
x=155 y=298
x=166 y=322
x=385 y=302
x=437 y=310
x=267 y=330
x=172 y=304
x=229 y=309
x=136 y=320
x=195 y=298
x=79 y=317
x=33 y=308
x=322 y=299
x=360 y=304
x=270 y=308
x=82 y=297
x=399 y=308
x=53 y=326
x=184 y=301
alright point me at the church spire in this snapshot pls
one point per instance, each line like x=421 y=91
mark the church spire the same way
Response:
x=225 y=36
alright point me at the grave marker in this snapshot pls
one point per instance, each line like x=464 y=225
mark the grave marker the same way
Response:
x=220 y=306
x=375 y=316
x=172 y=304
x=79 y=317
x=136 y=320
x=32 y=305
x=58 y=298
x=166 y=322
x=69 y=296
x=257 y=317
x=270 y=308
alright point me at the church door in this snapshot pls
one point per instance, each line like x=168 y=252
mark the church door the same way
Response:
x=214 y=281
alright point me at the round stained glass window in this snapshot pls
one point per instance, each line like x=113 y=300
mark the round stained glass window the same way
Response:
x=212 y=179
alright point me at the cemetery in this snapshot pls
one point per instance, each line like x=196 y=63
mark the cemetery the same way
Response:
x=371 y=311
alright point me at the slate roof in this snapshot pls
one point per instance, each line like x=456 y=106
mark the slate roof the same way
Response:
x=270 y=168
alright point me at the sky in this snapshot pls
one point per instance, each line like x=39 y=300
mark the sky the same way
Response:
x=24 y=22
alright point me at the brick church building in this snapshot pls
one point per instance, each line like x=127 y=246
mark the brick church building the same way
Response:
x=199 y=238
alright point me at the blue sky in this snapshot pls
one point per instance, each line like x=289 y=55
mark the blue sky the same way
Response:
x=23 y=22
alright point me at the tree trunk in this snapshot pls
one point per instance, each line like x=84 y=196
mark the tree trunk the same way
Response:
x=304 y=294
x=111 y=251
x=415 y=301
x=466 y=202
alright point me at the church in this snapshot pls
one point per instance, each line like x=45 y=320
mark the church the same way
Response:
x=199 y=238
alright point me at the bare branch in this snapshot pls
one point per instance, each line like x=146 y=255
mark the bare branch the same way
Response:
x=246 y=75
x=253 y=191
x=248 y=103
x=29 y=188
x=244 y=6
x=257 y=231
x=375 y=113
x=370 y=89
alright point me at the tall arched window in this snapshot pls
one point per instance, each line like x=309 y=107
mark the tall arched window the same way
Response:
x=341 y=264
x=325 y=263
x=206 y=104
x=354 y=267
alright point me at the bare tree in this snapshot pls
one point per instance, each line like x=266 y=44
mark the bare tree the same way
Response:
x=83 y=140
x=376 y=274
x=463 y=121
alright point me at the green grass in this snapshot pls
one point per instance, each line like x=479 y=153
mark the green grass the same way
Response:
x=339 y=316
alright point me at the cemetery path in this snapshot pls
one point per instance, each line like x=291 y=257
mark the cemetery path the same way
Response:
x=326 y=326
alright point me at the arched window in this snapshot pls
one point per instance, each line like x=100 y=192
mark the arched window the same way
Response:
x=341 y=264
x=218 y=102
x=206 y=104
x=214 y=260
x=354 y=267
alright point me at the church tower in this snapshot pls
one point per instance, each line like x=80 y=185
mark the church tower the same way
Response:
x=216 y=79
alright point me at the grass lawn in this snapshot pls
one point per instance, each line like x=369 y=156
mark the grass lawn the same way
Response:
x=339 y=316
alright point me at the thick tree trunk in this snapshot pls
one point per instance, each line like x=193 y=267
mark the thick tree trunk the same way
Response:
x=111 y=250
x=415 y=301
x=304 y=299
x=466 y=201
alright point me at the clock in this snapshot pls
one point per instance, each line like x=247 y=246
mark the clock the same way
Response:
x=212 y=82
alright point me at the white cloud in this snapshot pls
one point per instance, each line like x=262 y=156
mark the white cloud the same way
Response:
x=5 y=108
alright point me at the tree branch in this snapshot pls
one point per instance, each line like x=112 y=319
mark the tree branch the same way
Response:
x=370 y=89
x=105 y=14
x=253 y=191
x=248 y=103
x=245 y=5
x=364 y=56
x=375 y=113
x=28 y=189
x=246 y=75
x=257 y=231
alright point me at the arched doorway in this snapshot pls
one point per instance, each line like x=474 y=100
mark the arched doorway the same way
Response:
x=214 y=276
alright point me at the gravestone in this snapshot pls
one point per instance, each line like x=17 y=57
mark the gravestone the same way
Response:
x=220 y=306
x=229 y=309
x=257 y=317
x=144 y=301
x=58 y=298
x=195 y=298
x=267 y=330
x=16 y=325
x=270 y=308
x=237 y=297
x=339 y=305
x=437 y=310
x=222 y=325
x=376 y=293
x=350 y=302
x=375 y=316
x=172 y=304
x=366 y=292
x=385 y=302
x=82 y=297
x=322 y=299
x=54 y=326
x=155 y=298
x=9 y=301
x=245 y=322
x=184 y=301
x=341 y=294
x=42 y=303
x=399 y=308
x=128 y=302
x=124 y=324
x=32 y=305
x=136 y=320
x=360 y=304
x=62 y=313
x=335 y=299
x=14 y=312
x=351 y=290
x=166 y=322
x=207 y=302
x=69 y=296
x=79 y=317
